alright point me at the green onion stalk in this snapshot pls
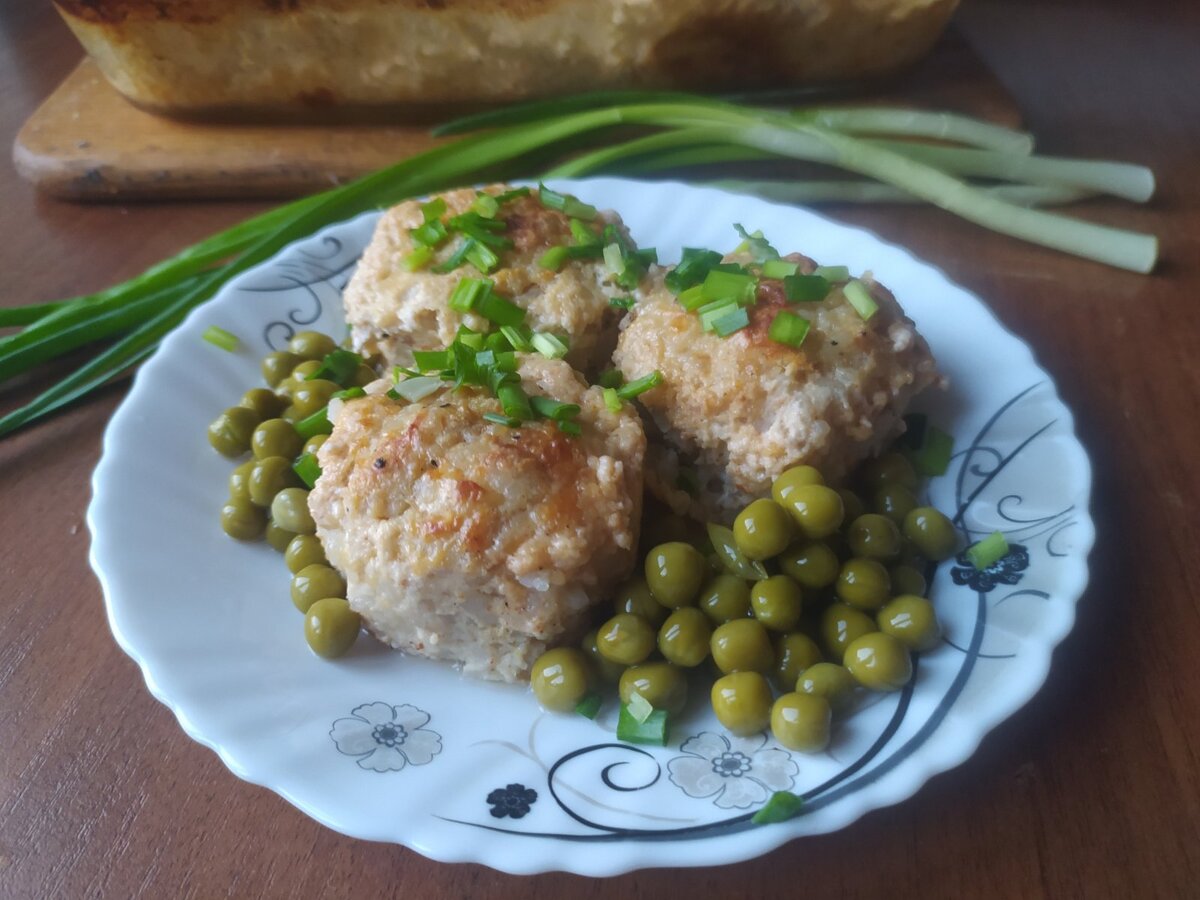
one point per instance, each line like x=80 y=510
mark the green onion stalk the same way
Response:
x=887 y=150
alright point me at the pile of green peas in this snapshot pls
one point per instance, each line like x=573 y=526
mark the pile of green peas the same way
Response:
x=267 y=499
x=837 y=604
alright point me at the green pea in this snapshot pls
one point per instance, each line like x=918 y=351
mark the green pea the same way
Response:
x=742 y=646
x=912 y=621
x=931 y=532
x=314 y=443
x=675 y=571
x=742 y=702
x=230 y=432
x=634 y=597
x=364 y=375
x=864 y=583
x=874 y=536
x=894 y=501
x=289 y=510
x=831 y=681
x=684 y=637
x=776 y=602
x=762 y=530
x=242 y=520
x=276 y=437
x=607 y=669
x=268 y=477
x=331 y=627
x=817 y=510
x=559 y=679
x=315 y=582
x=891 y=468
x=311 y=345
x=794 y=653
x=879 y=661
x=725 y=598
x=812 y=564
x=311 y=396
x=661 y=684
x=801 y=722
x=239 y=481
x=852 y=504
x=302 y=551
x=626 y=639
x=907 y=580
x=278 y=365
x=792 y=478
x=841 y=625
x=279 y=538
x=264 y=402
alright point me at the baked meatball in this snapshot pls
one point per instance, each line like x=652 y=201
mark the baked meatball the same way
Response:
x=732 y=413
x=469 y=541
x=392 y=311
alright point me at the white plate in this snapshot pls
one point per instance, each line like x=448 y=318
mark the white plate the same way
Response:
x=387 y=748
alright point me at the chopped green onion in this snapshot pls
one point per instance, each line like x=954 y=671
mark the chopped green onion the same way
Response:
x=833 y=273
x=779 y=268
x=434 y=209
x=498 y=342
x=481 y=257
x=317 y=423
x=350 y=393
x=519 y=336
x=432 y=360
x=457 y=258
x=485 y=358
x=621 y=302
x=693 y=267
x=431 y=234
x=583 y=234
x=515 y=403
x=549 y=345
x=611 y=378
x=486 y=205
x=988 y=552
x=481 y=230
x=498 y=419
x=219 y=337
x=553 y=259
x=565 y=203
x=557 y=410
x=693 y=298
x=413 y=389
x=571 y=428
x=858 y=296
x=589 y=705
x=805 y=288
x=418 y=259
x=759 y=248
x=640 y=709
x=731 y=321
x=471 y=339
x=788 y=328
x=932 y=457
x=640 y=386
x=308 y=469
x=512 y=195
x=652 y=731
x=612 y=400
x=614 y=259
x=499 y=310
x=717 y=309
x=781 y=806
x=338 y=366
x=736 y=562
x=738 y=287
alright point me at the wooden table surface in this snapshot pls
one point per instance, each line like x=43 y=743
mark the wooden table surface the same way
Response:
x=1093 y=789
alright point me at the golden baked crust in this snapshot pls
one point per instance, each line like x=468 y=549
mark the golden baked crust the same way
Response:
x=187 y=56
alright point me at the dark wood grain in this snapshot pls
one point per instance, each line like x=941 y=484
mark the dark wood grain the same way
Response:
x=1091 y=790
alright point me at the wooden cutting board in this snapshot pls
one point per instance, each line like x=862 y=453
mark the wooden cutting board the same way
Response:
x=86 y=142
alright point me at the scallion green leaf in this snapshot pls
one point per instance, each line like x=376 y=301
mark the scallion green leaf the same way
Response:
x=570 y=427
x=612 y=400
x=417 y=259
x=988 y=552
x=308 y=469
x=519 y=336
x=317 y=423
x=693 y=298
x=589 y=706
x=498 y=419
x=693 y=267
x=565 y=203
x=779 y=268
x=610 y=378
x=833 y=273
x=756 y=245
x=515 y=403
x=932 y=457
x=432 y=360
x=467 y=294
x=350 y=393
x=859 y=296
x=788 y=329
x=639 y=386
x=805 y=288
x=481 y=257
x=553 y=259
x=583 y=234
x=500 y=310
x=485 y=205
x=430 y=234
x=433 y=210
x=219 y=337
x=739 y=287
x=413 y=389
x=549 y=345
x=730 y=321
x=557 y=410
x=653 y=730
x=781 y=806
x=338 y=366
x=621 y=302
